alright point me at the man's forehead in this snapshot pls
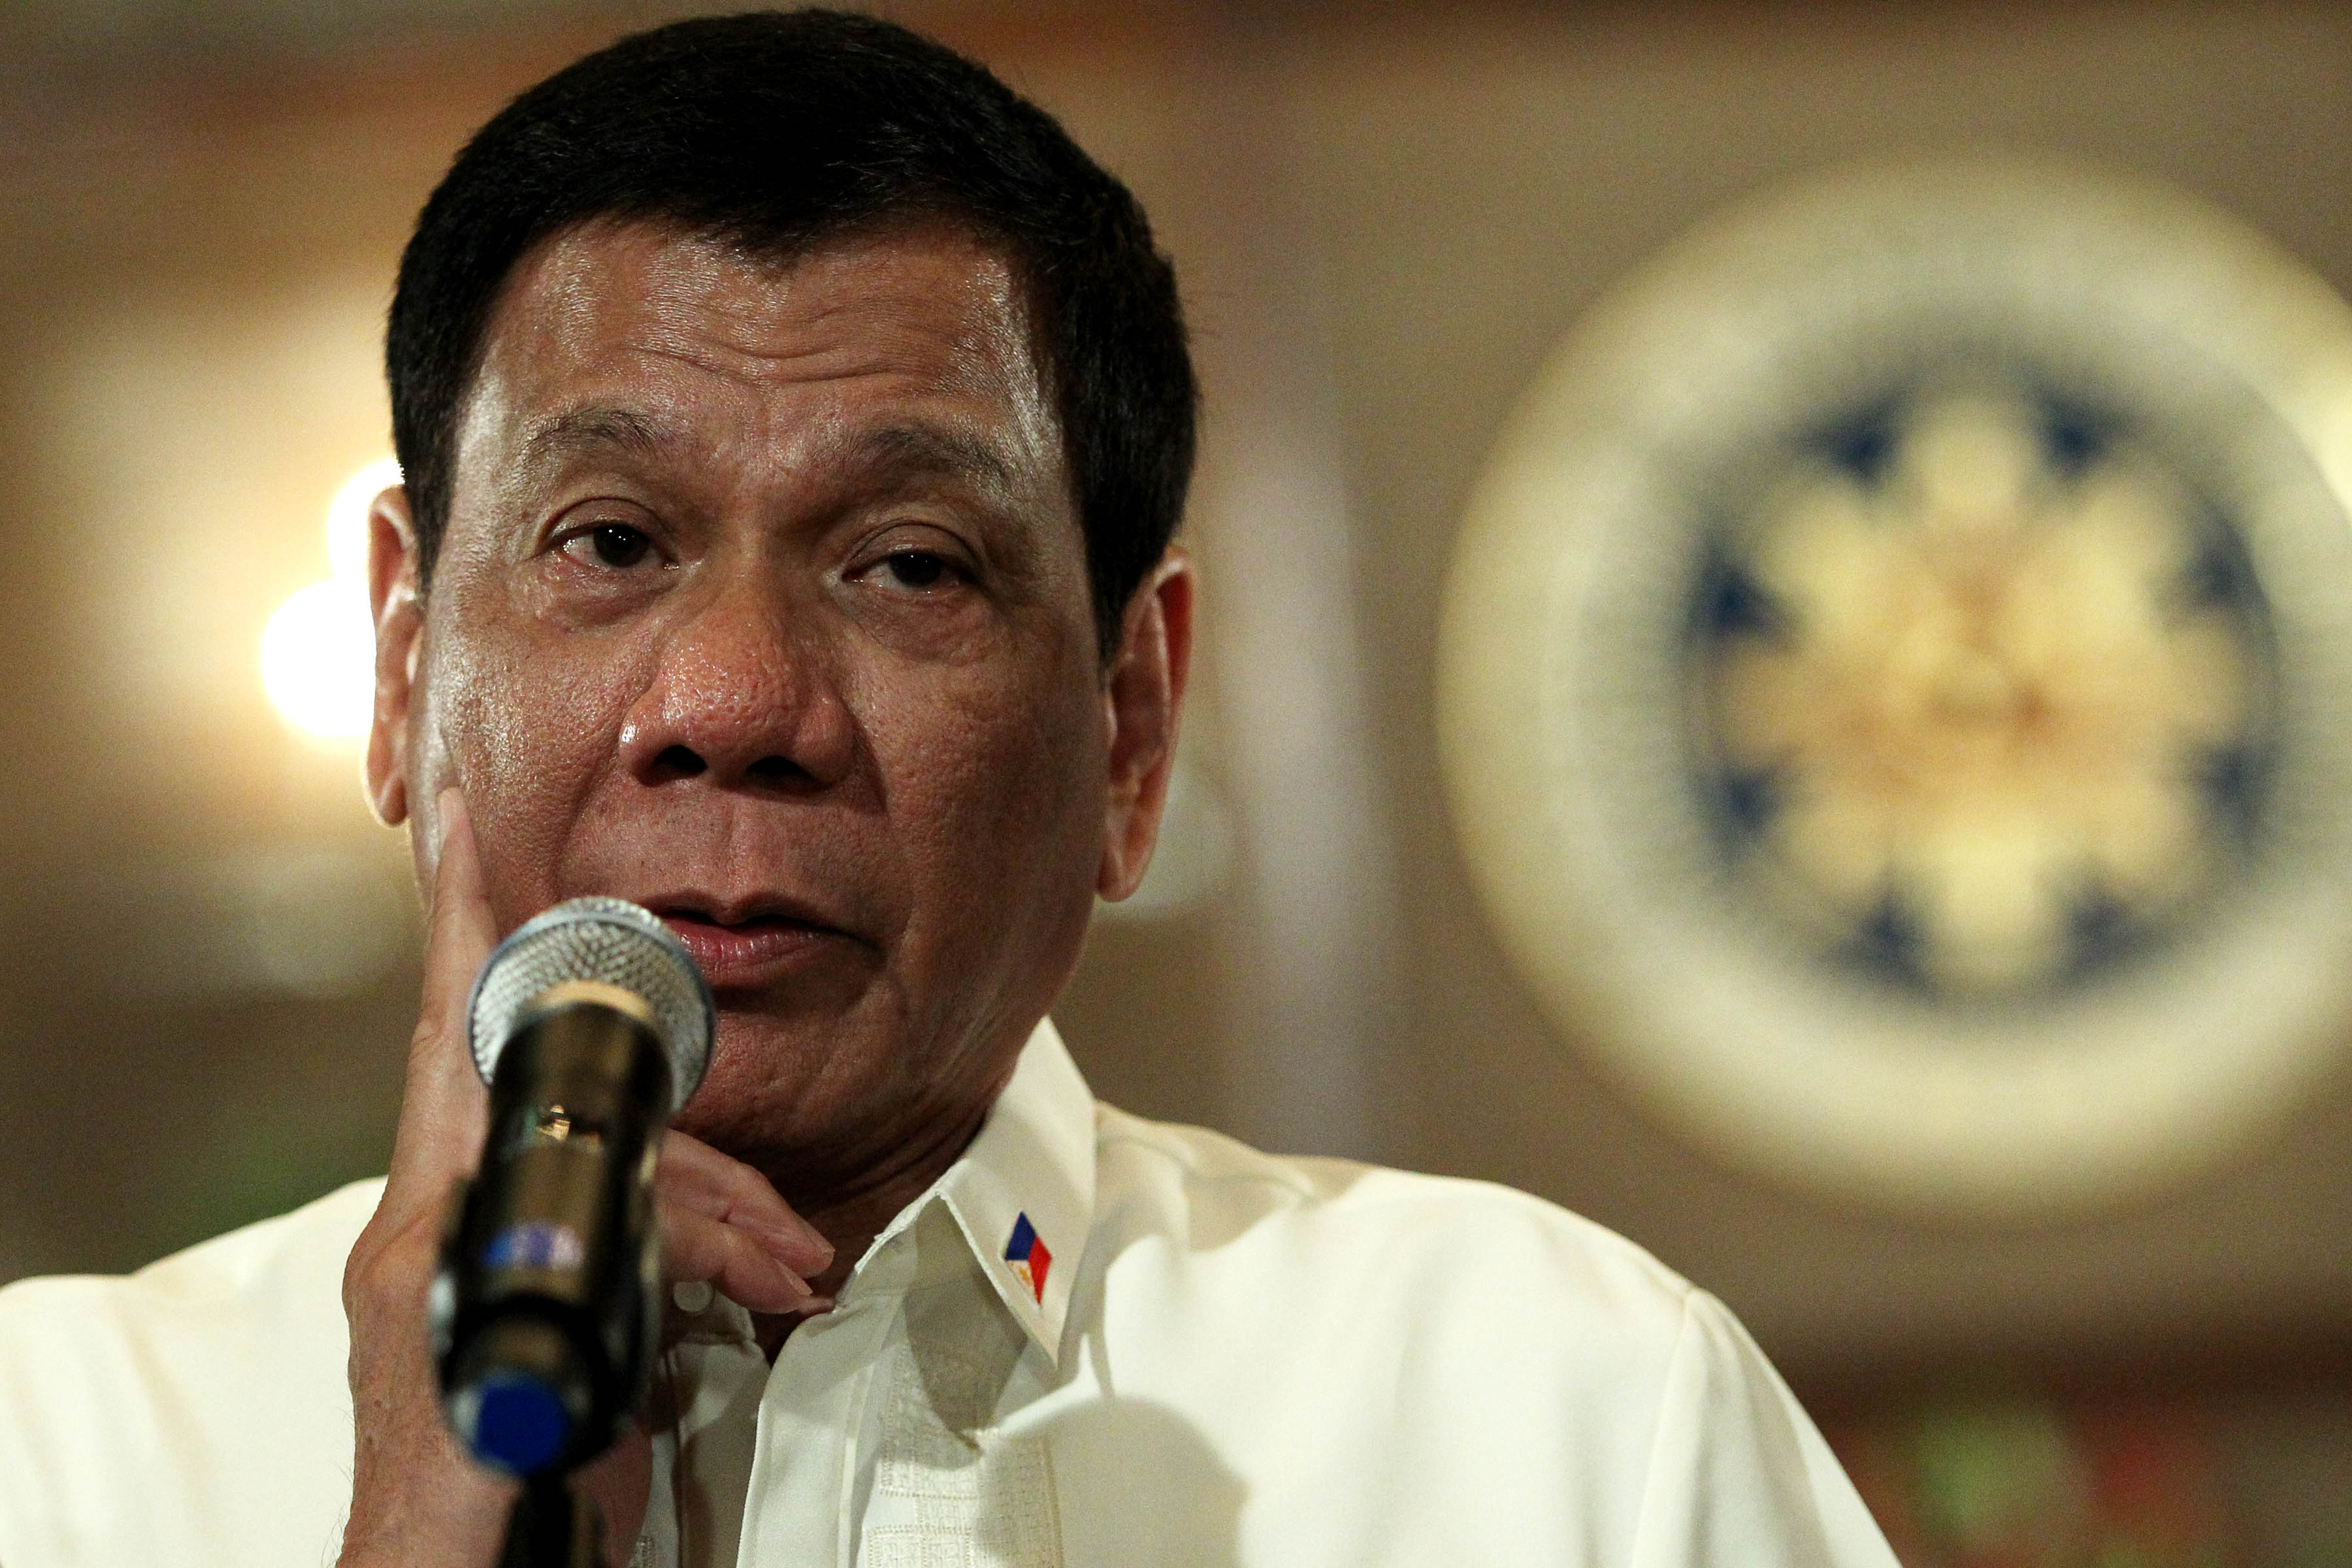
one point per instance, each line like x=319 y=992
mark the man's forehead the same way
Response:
x=608 y=333
x=608 y=286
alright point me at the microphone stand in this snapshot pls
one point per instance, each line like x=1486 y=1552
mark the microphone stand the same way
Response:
x=553 y=1526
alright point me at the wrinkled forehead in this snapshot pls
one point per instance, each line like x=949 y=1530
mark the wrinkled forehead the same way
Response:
x=599 y=284
x=620 y=332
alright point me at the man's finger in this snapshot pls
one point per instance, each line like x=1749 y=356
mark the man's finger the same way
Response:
x=444 y=1107
x=698 y=1178
x=696 y=1247
x=460 y=926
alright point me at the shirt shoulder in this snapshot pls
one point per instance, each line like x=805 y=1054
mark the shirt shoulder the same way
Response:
x=1442 y=1234
x=1553 y=1392
x=1322 y=1281
x=192 y=1412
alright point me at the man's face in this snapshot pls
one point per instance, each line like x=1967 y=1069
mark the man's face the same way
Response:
x=762 y=602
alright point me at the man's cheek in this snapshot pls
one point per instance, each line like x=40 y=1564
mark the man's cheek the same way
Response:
x=528 y=736
x=1004 y=827
x=1024 y=777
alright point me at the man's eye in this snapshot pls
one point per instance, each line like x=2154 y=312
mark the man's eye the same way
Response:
x=614 y=543
x=915 y=569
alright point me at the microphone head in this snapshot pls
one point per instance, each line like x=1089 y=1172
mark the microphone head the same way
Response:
x=609 y=940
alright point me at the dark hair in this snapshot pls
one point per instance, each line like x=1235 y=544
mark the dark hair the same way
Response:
x=775 y=131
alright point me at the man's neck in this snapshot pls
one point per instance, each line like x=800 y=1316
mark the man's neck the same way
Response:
x=851 y=1220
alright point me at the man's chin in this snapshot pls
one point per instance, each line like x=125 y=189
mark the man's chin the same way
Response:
x=787 y=1071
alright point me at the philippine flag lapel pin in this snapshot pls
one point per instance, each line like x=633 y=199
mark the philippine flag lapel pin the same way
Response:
x=1028 y=1257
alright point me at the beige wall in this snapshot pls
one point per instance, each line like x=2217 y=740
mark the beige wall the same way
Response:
x=1383 y=219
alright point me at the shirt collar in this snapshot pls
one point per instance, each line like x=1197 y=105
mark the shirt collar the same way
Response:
x=1024 y=1193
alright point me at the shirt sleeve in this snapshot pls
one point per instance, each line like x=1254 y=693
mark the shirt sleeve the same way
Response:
x=1738 y=1477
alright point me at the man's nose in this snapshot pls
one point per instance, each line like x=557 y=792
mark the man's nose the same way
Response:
x=743 y=697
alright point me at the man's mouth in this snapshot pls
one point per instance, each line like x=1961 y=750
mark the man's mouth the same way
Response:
x=738 y=951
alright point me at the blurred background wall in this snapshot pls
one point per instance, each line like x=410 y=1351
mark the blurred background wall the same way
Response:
x=1383 y=216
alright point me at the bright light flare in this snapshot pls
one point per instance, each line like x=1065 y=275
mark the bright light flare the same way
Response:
x=318 y=652
x=318 y=660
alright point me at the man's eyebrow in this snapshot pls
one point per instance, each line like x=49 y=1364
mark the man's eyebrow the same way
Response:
x=600 y=427
x=896 y=451
x=882 y=456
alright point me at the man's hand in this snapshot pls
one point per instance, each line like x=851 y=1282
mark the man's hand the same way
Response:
x=417 y=1498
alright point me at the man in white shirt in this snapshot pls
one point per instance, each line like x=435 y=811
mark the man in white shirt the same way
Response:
x=793 y=424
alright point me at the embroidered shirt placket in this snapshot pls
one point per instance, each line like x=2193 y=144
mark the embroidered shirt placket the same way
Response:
x=816 y=1420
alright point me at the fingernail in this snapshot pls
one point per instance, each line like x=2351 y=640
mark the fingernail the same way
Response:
x=799 y=1236
x=795 y=1286
x=812 y=1307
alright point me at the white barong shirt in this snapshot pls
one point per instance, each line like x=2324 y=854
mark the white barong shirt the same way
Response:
x=1095 y=1341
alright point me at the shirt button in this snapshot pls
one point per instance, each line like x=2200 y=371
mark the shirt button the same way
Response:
x=691 y=1296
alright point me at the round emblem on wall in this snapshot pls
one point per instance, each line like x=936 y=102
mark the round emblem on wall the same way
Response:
x=1896 y=686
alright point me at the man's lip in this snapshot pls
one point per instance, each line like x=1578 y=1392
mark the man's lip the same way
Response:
x=745 y=943
x=751 y=952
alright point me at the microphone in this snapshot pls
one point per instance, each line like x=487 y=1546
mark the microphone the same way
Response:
x=591 y=1026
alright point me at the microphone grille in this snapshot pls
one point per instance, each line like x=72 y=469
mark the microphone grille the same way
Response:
x=601 y=938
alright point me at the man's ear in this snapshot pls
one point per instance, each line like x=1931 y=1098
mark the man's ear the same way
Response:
x=399 y=614
x=1143 y=697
